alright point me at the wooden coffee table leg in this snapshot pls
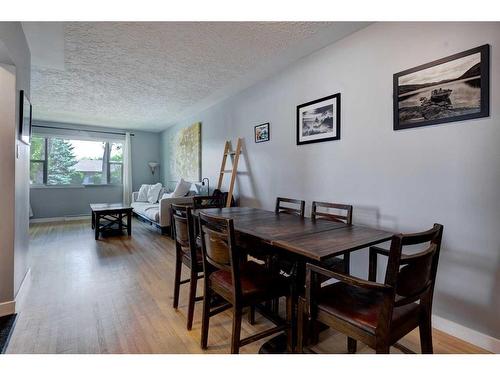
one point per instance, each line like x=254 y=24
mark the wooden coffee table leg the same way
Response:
x=96 y=226
x=129 y=223
x=93 y=220
x=120 y=222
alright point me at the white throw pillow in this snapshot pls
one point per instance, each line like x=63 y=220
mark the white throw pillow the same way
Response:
x=143 y=193
x=198 y=189
x=181 y=189
x=166 y=196
x=154 y=193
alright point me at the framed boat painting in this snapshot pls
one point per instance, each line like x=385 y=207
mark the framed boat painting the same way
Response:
x=453 y=88
x=319 y=120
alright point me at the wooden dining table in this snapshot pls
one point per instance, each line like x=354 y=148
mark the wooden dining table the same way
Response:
x=298 y=240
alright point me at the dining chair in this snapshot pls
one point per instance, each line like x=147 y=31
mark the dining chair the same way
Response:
x=240 y=282
x=343 y=214
x=187 y=252
x=288 y=206
x=200 y=202
x=377 y=314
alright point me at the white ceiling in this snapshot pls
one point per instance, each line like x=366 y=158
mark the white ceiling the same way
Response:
x=149 y=75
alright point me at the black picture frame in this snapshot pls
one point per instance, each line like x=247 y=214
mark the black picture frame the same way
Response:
x=336 y=136
x=484 y=81
x=25 y=118
x=266 y=139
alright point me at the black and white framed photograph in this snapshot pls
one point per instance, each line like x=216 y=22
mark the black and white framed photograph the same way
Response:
x=319 y=120
x=262 y=133
x=453 y=88
x=24 y=118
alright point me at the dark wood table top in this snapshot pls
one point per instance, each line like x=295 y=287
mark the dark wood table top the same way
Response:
x=316 y=240
x=268 y=226
x=321 y=246
x=97 y=207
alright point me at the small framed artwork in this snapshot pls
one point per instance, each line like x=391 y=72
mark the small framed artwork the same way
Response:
x=319 y=120
x=262 y=133
x=453 y=88
x=24 y=119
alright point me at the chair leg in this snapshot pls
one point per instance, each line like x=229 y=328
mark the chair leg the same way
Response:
x=177 y=279
x=251 y=315
x=275 y=306
x=235 y=336
x=425 y=329
x=351 y=345
x=382 y=348
x=205 y=317
x=300 y=325
x=193 y=282
x=314 y=333
x=347 y=263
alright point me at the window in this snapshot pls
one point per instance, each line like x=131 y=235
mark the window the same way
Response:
x=38 y=165
x=60 y=161
x=115 y=163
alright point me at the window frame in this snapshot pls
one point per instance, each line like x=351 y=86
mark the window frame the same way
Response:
x=43 y=161
x=107 y=171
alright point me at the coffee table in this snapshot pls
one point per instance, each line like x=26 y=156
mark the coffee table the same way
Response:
x=106 y=215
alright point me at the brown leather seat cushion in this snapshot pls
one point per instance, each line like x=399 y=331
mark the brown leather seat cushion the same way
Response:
x=256 y=281
x=359 y=306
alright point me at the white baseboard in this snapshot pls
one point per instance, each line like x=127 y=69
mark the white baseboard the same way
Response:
x=7 y=308
x=469 y=335
x=59 y=219
x=10 y=307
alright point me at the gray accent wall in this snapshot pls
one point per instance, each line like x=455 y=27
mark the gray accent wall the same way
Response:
x=403 y=181
x=50 y=202
x=145 y=148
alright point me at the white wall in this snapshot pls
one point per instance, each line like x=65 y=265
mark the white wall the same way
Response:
x=15 y=45
x=404 y=180
x=7 y=175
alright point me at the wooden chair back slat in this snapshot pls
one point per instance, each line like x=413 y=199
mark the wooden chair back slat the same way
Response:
x=217 y=249
x=430 y=235
x=181 y=230
x=288 y=207
x=217 y=239
x=346 y=218
x=183 y=225
x=414 y=275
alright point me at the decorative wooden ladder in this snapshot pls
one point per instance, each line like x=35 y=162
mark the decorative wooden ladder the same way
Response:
x=228 y=151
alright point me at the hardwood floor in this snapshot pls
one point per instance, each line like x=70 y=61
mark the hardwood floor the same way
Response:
x=115 y=296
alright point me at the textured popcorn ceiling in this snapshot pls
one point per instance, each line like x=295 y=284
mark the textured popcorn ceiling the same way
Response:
x=148 y=75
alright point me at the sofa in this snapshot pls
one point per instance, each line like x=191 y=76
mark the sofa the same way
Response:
x=158 y=214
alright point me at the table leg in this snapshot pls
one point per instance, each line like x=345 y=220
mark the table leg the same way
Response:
x=120 y=222
x=96 y=226
x=93 y=220
x=279 y=344
x=129 y=223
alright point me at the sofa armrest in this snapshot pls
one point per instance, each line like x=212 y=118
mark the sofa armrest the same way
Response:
x=165 y=208
x=135 y=194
